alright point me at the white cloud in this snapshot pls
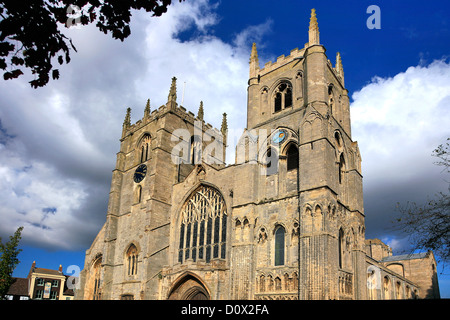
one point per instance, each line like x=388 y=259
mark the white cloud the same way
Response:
x=58 y=143
x=398 y=122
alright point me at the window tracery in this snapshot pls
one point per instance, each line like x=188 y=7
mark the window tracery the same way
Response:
x=203 y=227
x=145 y=148
x=283 y=96
x=132 y=260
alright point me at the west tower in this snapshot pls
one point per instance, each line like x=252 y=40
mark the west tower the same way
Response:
x=302 y=102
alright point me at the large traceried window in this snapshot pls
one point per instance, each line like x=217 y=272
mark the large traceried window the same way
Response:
x=203 y=226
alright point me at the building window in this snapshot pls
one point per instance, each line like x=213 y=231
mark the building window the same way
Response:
x=132 y=260
x=40 y=281
x=53 y=295
x=341 y=247
x=39 y=294
x=279 y=246
x=203 y=227
x=127 y=297
x=145 y=148
x=292 y=157
x=55 y=283
x=195 y=151
x=282 y=97
x=271 y=162
x=138 y=194
x=93 y=285
x=341 y=168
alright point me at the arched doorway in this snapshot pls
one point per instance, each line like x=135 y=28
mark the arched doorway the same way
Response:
x=189 y=287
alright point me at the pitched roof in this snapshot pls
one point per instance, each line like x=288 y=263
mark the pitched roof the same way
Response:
x=19 y=287
x=409 y=256
x=47 y=271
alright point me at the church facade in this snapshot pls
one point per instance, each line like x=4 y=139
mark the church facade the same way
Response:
x=285 y=221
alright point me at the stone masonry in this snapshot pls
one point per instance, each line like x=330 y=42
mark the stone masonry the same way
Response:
x=285 y=221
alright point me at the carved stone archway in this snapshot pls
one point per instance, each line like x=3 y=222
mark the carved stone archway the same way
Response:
x=189 y=287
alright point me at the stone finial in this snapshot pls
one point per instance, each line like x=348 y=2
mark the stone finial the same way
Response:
x=224 y=126
x=254 y=62
x=147 y=109
x=127 y=121
x=339 y=67
x=313 y=29
x=200 y=113
x=173 y=91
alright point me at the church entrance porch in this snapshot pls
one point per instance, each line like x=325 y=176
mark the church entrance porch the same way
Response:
x=189 y=287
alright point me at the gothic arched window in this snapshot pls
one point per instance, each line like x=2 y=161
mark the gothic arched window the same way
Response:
x=145 y=148
x=203 y=226
x=132 y=260
x=341 y=168
x=279 y=246
x=341 y=247
x=283 y=96
x=195 y=151
x=93 y=284
x=292 y=157
x=271 y=161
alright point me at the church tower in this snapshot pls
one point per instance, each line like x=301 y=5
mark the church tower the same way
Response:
x=156 y=152
x=301 y=102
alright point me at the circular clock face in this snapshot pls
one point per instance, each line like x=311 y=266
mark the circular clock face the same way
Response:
x=279 y=136
x=140 y=173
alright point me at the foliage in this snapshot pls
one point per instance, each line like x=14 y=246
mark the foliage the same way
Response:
x=9 y=261
x=30 y=34
x=428 y=226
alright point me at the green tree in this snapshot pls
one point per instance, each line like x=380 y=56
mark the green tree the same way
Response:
x=9 y=261
x=428 y=225
x=31 y=37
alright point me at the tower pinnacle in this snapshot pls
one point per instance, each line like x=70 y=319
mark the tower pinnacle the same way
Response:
x=201 y=113
x=254 y=63
x=224 y=127
x=339 y=67
x=147 y=109
x=126 y=122
x=313 y=29
x=173 y=91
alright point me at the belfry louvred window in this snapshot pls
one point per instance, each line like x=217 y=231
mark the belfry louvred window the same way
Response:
x=203 y=226
x=283 y=97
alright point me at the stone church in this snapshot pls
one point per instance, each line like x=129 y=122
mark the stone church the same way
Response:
x=285 y=221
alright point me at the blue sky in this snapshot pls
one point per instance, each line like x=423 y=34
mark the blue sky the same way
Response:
x=58 y=144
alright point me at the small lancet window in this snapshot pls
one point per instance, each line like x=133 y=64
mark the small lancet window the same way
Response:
x=341 y=168
x=279 y=246
x=292 y=158
x=271 y=162
x=195 y=151
x=138 y=196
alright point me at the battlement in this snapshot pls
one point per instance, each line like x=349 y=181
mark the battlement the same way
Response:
x=156 y=114
x=281 y=61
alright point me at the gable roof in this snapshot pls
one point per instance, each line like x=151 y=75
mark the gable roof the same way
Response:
x=409 y=256
x=19 y=287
